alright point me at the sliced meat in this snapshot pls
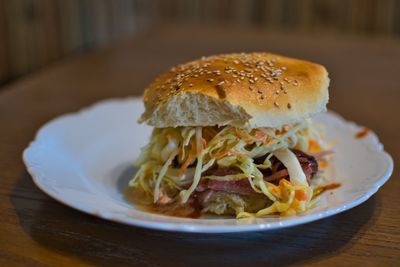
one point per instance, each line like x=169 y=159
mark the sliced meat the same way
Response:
x=241 y=187
x=203 y=197
x=308 y=163
x=222 y=171
x=209 y=184
x=277 y=175
x=277 y=172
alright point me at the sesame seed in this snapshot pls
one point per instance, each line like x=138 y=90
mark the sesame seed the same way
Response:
x=283 y=68
x=190 y=84
x=251 y=81
x=276 y=104
x=259 y=91
x=251 y=88
x=277 y=92
x=261 y=97
x=210 y=80
x=289 y=106
x=236 y=62
x=285 y=91
x=221 y=83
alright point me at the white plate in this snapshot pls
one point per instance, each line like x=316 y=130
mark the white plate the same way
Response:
x=84 y=161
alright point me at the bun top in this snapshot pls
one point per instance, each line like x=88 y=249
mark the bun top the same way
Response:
x=245 y=90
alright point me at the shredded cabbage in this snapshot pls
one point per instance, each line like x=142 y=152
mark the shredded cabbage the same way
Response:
x=162 y=173
x=288 y=158
x=185 y=194
x=231 y=177
x=198 y=149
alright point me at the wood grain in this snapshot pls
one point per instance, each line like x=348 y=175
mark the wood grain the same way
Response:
x=37 y=231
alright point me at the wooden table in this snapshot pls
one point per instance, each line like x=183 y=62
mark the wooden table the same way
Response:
x=37 y=231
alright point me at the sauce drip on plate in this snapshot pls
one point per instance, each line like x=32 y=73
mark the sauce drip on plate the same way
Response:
x=138 y=198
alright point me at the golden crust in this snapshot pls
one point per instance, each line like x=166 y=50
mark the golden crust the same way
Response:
x=271 y=89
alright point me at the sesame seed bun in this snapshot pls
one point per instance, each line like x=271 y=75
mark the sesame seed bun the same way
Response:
x=244 y=90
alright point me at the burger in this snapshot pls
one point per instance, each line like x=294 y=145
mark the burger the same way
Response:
x=233 y=136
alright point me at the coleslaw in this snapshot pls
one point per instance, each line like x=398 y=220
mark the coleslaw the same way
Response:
x=176 y=160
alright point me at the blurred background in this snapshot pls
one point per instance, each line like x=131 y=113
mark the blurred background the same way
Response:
x=35 y=33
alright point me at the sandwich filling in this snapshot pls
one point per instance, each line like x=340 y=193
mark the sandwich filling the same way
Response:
x=230 y=170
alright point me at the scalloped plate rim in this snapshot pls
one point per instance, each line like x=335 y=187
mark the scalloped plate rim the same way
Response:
x=193 y=226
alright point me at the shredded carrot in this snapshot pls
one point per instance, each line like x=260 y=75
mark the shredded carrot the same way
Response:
x=228 y=151
x=221 y=154
x=203 y=143
x=191 y=156
x=323 y=164
x=238 y=132
x=294 y=205
x=243 y=137
x=267 y=140
x=284 y=181
x=192 y=143
x=259 y=134
x=286 y=128
x=289 y=212
x=185 y=165
x=314 y=146
x=277 y=191
x=301 y=195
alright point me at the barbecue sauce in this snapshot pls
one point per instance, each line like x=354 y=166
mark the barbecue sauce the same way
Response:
x=191 y=209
